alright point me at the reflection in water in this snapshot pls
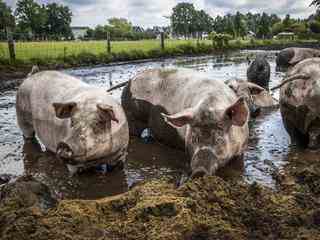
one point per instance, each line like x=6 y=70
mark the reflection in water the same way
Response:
x=92 y=184
x=268 y=149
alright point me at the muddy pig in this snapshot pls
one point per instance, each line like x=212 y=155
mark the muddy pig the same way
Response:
x=300 y=102
x=259 y=71
x=82 y=124
x=256 y=97
x=189 y=110
x=289 y=57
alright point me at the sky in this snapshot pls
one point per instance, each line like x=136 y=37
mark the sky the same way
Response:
x=148 y=13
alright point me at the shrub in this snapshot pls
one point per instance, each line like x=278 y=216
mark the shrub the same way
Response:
x=87 y=58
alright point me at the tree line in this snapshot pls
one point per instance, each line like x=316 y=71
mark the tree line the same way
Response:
x=122 y=29
x=188 y=22
x=32 y=21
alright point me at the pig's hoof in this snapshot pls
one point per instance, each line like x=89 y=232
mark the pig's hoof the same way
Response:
x=73 y=169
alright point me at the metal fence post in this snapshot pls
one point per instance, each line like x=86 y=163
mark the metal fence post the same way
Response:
x=162 y=40
x=11 y=46
x=108 y=43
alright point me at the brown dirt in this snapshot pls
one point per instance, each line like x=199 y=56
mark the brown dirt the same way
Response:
x=206 y=208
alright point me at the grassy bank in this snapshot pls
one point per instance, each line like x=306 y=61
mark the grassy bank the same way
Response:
x=53 y=55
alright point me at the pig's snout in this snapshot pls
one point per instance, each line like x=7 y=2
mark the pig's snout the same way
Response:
x=64 y=151
x=204 y=162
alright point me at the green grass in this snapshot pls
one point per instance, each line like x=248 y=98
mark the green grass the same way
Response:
x=76 y=53
x=31 y=50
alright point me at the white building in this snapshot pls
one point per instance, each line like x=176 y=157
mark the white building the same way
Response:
x=79 y=32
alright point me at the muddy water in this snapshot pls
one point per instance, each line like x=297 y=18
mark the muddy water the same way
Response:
x=269 y=146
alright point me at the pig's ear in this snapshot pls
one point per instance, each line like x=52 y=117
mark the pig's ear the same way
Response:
x=238 y=112
x=255 y=89
x=64 y=110
x=179 y=119
x=106 y=112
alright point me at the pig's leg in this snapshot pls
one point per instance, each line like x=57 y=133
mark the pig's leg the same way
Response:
x=137 y=112
x=136 y=126
x=25 y=124
x=24 y=117
x=296 y=136
x=314 y=137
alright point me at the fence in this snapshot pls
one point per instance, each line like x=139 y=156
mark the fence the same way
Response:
x=26 y=51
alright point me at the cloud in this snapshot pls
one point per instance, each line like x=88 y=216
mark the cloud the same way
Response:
x=149 y=13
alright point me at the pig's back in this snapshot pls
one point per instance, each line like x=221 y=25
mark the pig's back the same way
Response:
x=176 y=89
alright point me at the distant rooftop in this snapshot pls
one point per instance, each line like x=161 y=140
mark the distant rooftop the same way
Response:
x=79 y=27
x=286 y=33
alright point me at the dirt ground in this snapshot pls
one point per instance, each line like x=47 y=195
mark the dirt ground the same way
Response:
x=206 y=208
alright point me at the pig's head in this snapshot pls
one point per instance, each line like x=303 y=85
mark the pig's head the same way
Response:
x=291 y=56
x=284 y=58
x=209 y=132
x=88 y=134
x=259 y=71
x=256 y=97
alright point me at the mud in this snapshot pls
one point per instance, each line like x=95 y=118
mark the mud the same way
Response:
x=206 y=208
x=272 y=193
x=18 y=157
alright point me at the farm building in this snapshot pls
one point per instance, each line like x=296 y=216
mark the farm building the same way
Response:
x=285 y=35
x=79 y=32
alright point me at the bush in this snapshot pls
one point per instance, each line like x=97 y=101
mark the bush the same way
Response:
x=87 y=58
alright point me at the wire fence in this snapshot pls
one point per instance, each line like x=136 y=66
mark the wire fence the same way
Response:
x=28 y=50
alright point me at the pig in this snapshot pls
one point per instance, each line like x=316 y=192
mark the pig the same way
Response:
x=300 y=102
x=289 y=57
x=82 y=124
x=188 y=110
x=259 y=71
x=256 y=97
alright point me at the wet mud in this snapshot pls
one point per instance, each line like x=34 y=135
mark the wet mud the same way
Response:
x=272 y=193
x=268 y=150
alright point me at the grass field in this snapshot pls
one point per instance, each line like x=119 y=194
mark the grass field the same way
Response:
x=74 y=53
x=30 y=50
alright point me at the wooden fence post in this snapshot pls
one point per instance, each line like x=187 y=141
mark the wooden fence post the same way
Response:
x=108 y=43
x=162 y=40
x=11 y=47
x=64 y=54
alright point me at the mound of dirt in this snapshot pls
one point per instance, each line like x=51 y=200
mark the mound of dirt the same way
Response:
x=206 y=208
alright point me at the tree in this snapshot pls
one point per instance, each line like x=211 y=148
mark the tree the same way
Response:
x=277 y=28
x=58 y=21
x=119 y=28
x=229 y=25
x=183 y=19
x=7 y=20
x=31 y=16
x=287 y=22
x=299 y=28
x=239 y=25
x=264 y=26
x=204 y=22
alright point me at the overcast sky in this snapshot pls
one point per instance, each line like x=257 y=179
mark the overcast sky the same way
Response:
x=148 y=13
